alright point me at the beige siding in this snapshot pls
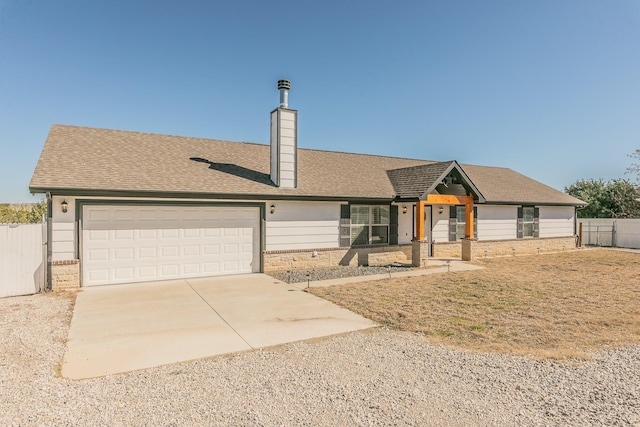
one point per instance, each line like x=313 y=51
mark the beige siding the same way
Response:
x=283 y=148
x=63 y=242
x=497 y=222
x=440 y=231
x=557 y=221
x=405 y=224
x=302 y=225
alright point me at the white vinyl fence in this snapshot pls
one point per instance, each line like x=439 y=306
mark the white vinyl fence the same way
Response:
x=620 y=233
x=22 y=259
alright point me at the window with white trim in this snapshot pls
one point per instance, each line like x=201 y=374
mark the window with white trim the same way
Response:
x=528 y=222
x=369 y=224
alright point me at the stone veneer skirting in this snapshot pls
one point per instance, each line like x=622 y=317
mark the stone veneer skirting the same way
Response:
x=491 y=248
x=65 y=275
x=334 y=257
x=446 y=250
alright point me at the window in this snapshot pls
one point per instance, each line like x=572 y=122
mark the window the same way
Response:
x=458 y=222
x=369 y=225
x=461 y=222
x=528 y=222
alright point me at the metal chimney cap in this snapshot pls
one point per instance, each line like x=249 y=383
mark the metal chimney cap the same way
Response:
x=284 y=84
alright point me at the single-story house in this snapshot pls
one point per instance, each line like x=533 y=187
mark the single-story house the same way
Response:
x=133 y=207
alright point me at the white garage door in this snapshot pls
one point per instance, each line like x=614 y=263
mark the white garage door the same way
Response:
x=123 y=244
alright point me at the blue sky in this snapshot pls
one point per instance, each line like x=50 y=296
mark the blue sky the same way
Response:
x=550 y=88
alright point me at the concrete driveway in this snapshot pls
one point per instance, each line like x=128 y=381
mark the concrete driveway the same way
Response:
x=122 y=328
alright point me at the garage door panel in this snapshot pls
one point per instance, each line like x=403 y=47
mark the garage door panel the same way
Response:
x=229 y=248
x=169 y=233
x=211 y=249
x=191 y=233
x=211 y=215
x=147 y=214
x=189 y=214
x=248 y=215
x=230 y=232
x=98 y=275
x=211 y=267
x=169 y=251
x=123 y=214
x=142 y=243
x=229 y=215
x=191 y=268
x=148 y=252
x=98 y=214
x=98 y=254
x=231 y=265
x=190 y=250
x=123 y=234
x=170 y=270
x=147 y=234
x=96 y=235
x=171 y=214
x=124 y=273
x=211 y=232
x=126 y=254
x=147 y=272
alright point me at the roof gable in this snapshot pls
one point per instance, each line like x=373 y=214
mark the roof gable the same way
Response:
x=419 y=181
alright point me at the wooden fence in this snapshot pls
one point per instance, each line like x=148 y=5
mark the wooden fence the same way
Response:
x=619 y=233
x=22 y=259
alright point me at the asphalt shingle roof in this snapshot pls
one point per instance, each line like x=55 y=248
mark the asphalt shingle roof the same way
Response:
x=87 y=161
x=412 y=182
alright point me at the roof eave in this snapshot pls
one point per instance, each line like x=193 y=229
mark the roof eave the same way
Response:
x=83 y=192
x=531 y=203
x=400 y=199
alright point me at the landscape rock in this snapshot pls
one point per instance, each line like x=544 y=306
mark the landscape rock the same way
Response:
x=375 y=377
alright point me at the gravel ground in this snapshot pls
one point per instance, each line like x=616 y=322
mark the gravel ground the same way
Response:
x=376 y=377
x=297 y=276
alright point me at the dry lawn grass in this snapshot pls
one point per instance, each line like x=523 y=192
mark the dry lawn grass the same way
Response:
x=557 y=306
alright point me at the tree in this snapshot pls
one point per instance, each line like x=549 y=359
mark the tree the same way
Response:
x=23 y=214
x=634 y=169
x=614 y=199
x=591 y=192
x=38 y=212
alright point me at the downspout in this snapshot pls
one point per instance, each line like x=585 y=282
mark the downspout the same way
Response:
x=49 y=235
x=575 y=227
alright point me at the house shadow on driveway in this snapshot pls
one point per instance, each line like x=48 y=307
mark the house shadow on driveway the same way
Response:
x=121 y=328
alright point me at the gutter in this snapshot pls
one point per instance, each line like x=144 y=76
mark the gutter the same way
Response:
x=148 y=194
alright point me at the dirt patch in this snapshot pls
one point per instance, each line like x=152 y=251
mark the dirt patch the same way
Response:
x=553 y=306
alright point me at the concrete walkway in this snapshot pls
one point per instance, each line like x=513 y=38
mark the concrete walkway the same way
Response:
x=122 y=328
